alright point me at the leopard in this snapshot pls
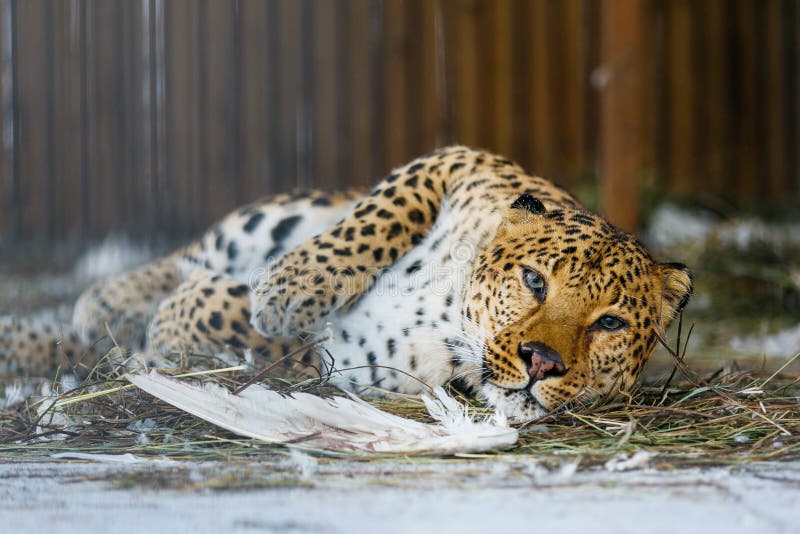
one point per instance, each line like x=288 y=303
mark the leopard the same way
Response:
x=459 y=268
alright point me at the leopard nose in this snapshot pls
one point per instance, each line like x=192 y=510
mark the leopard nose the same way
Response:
x=543 y=361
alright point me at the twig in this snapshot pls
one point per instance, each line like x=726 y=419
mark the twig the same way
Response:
x=271 y=366
x=665 y=389
x=375 y=366
x=782 y=367
x=94 y=394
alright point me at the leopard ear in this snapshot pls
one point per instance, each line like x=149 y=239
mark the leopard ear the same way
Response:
x=530 y=204
x=677 y=286
x=524 y=209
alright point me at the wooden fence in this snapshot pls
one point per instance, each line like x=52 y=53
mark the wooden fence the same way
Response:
x=160 y=115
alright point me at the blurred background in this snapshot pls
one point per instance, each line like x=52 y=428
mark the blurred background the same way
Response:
x=162 y=115
x=151 y=118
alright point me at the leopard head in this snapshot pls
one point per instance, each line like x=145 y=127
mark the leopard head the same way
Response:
x=570 y=308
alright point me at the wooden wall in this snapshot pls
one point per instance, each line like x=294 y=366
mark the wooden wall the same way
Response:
x=157 y=116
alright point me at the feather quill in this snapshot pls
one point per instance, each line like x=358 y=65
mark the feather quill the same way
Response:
x=336 y=423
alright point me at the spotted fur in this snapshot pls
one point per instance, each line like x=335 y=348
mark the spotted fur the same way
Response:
x=424 y=280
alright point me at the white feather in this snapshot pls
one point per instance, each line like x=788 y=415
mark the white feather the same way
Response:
x=336 y=423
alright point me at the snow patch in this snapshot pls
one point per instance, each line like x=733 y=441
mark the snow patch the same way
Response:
x=672 y=226
x=785 y=343
x=112 y=256
x=623 y=462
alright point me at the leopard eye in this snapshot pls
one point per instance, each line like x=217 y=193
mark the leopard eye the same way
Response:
x=535 y=282
x=610 y=323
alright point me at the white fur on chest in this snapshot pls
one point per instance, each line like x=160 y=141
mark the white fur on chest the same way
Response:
x=410 y=322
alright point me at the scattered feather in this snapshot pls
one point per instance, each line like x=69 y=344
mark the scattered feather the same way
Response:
x=51 y=416
x=623 y=462
x=126 y=458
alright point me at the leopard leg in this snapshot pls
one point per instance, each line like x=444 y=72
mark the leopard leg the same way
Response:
x=32 y=347
x=208 y=313
x=208 y=317
x=238 y=246
x=123 y=305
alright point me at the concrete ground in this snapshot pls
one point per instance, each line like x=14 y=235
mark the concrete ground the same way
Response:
x=297 y=493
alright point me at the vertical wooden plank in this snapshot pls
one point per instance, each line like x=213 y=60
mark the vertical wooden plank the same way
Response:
x=520 y=87
x=218 y=114
x=501 y=111
x=256 y=168
x=133 y=119
x=555 y=66
x=714 y=111
x=680 y=102
x=590 y=28
x=791 y=21
x=420 y=76
x=205 y=30
x=360 y=104
x=760 y=92
x=466 y=80
x=305 y=108
x=181 y=111
x=572 y=42
x=68 y=175
x=622 y=42
x=326 y=95
x=749 y=173
x=120 y=123
x=86 y=74
x=446 y=55
x=8 y=204
x=288 y=76
x=344 y=87
x=541 y=118
x=652 y=78
x=101 y=115
x=279 y=180
x=159 y=185
x=143 y=9
x=699 y=79
x=122 y=185
x=411 y=49
x=395 y=96
x=430 y=116
x=33 y=78
x=486 y=70
x=378 y=86
x=236 y=95
x=775 y=102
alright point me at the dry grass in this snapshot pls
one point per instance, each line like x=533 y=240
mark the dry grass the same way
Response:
x=729 y=417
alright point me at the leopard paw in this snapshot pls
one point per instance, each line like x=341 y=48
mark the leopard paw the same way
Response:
x=299 y=299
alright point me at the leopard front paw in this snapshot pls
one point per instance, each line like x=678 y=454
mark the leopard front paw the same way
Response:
x=296 y=299
x=292 y=301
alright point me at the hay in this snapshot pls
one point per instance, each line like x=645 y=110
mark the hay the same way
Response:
x=723 y=419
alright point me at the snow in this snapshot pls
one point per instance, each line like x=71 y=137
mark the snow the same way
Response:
x=672 y=226
x=439 y=496
x=785 y=343
x=112 y=256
